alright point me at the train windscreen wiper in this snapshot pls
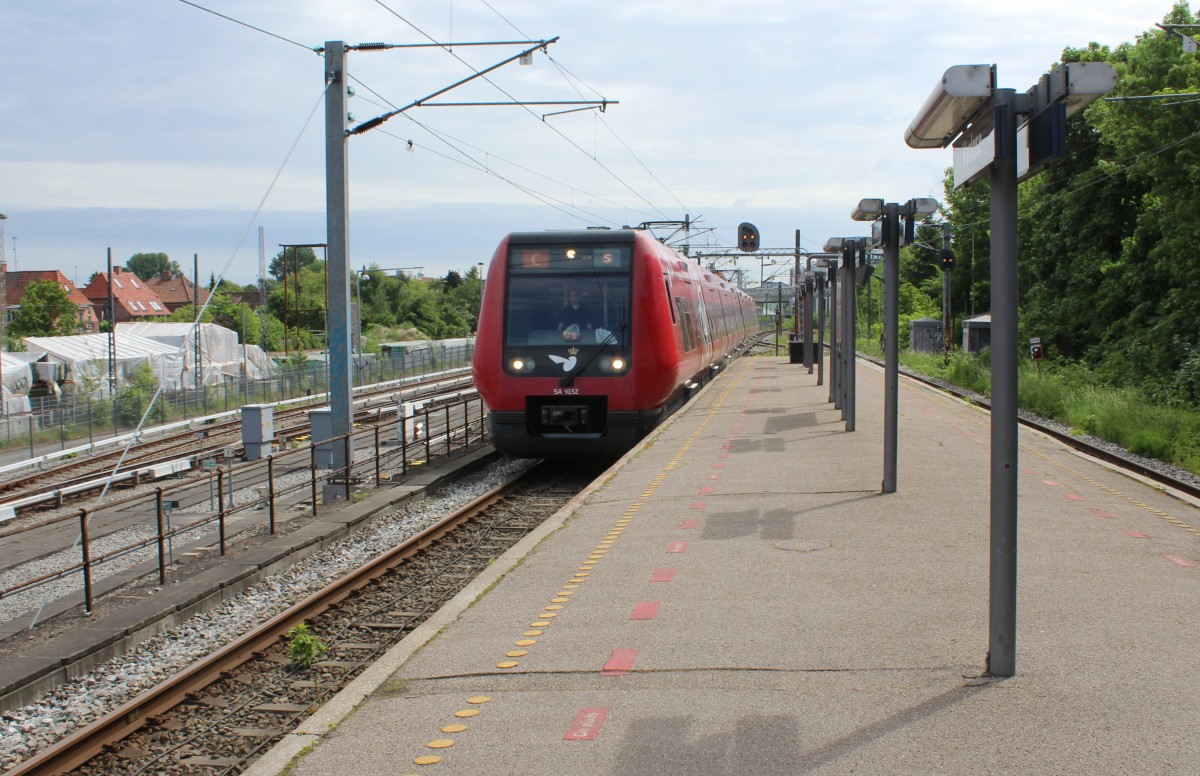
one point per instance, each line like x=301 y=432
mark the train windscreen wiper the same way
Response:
x=566 y=380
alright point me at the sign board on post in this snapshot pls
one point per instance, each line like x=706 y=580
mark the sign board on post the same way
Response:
x=1035 y=348
x=974 y=152
x=1042 y=142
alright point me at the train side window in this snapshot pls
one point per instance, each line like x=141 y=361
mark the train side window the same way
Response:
x=670 y=300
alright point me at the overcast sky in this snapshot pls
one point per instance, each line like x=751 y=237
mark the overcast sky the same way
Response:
x=153 y=126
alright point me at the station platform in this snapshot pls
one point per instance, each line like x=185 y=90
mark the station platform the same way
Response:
x=737 y=595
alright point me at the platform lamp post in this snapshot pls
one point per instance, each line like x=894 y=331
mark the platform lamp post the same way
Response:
x=848 y=249
x=889 y=215
x=1008 y=136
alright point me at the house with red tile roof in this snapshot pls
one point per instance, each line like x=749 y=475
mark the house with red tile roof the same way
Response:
x=132 y=299
x=86 y=322
x=176 y=291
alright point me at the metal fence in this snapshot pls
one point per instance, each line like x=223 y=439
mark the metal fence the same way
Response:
x=67 y=419
x=391 y=453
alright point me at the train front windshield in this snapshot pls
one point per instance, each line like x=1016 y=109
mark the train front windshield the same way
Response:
x=568 y=310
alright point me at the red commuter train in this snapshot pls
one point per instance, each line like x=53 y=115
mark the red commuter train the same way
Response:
x=589 y=339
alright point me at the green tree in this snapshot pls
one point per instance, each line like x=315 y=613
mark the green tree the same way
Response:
x=147 y=265
x=288 y=260
x=46 y=311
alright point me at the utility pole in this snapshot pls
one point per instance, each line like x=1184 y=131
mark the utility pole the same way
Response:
x=337 y=205
x=337 y=227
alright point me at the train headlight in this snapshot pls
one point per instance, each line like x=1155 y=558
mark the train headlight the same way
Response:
x=614 y=364
x=521 y=364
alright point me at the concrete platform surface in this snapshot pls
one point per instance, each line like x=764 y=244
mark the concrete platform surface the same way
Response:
x=737 y=596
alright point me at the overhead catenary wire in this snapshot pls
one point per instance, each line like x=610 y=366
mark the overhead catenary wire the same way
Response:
x=527 y=110
x=447 y=48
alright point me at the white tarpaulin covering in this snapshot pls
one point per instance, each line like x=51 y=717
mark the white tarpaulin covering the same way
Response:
x=17 y=378
x=85 y=357
x=221 y=356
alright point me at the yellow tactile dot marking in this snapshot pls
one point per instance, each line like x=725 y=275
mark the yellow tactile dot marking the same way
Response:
x=517 y=653
x=479 y=699
x=539 y=624
x=533 y=633
x=565 y=593
x=454 y=728
x=507 y=664
x=570 y=587
x=560 y=600
x=525 y=642
x=545 y=615
x=441 y=743
x=552 y=607
x=464 y=713
x=581 y=573
x=427 y=759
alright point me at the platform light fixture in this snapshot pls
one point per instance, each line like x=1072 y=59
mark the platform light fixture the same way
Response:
x=921 y=206
x=962 y=93
x=867 y=210
x=1077 y=84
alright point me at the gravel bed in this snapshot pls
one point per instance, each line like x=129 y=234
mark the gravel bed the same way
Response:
x=27 y=730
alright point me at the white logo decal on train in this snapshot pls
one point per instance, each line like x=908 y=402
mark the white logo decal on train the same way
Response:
x=567 y=363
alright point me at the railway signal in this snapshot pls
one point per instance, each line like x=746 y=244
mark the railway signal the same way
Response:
x=947 y=257
x=747 y=238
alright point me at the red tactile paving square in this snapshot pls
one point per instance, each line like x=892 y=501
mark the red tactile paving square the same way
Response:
x=586 y=725
x=662 y=575
x=620 y=663
x=645 y=610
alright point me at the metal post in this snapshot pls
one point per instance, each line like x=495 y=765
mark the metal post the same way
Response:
x=947 y=318
x=312 y=451
x=86 y=544
x=377 y=452
x=1002 y=632
x=221 y=510
x=271 y=492
x=337 y=256
x=162 y=549
x=447 y=430
x=848 y=313
x=349 y=464
x=796 y=289
x=820 y=356
x=834 y=354
x=810 y=284
x=891 y=350
x=32 y=454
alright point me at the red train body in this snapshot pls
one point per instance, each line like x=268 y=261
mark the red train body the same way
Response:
x=588 y=339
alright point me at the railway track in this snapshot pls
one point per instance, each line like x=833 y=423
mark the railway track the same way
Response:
x=221 y=712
